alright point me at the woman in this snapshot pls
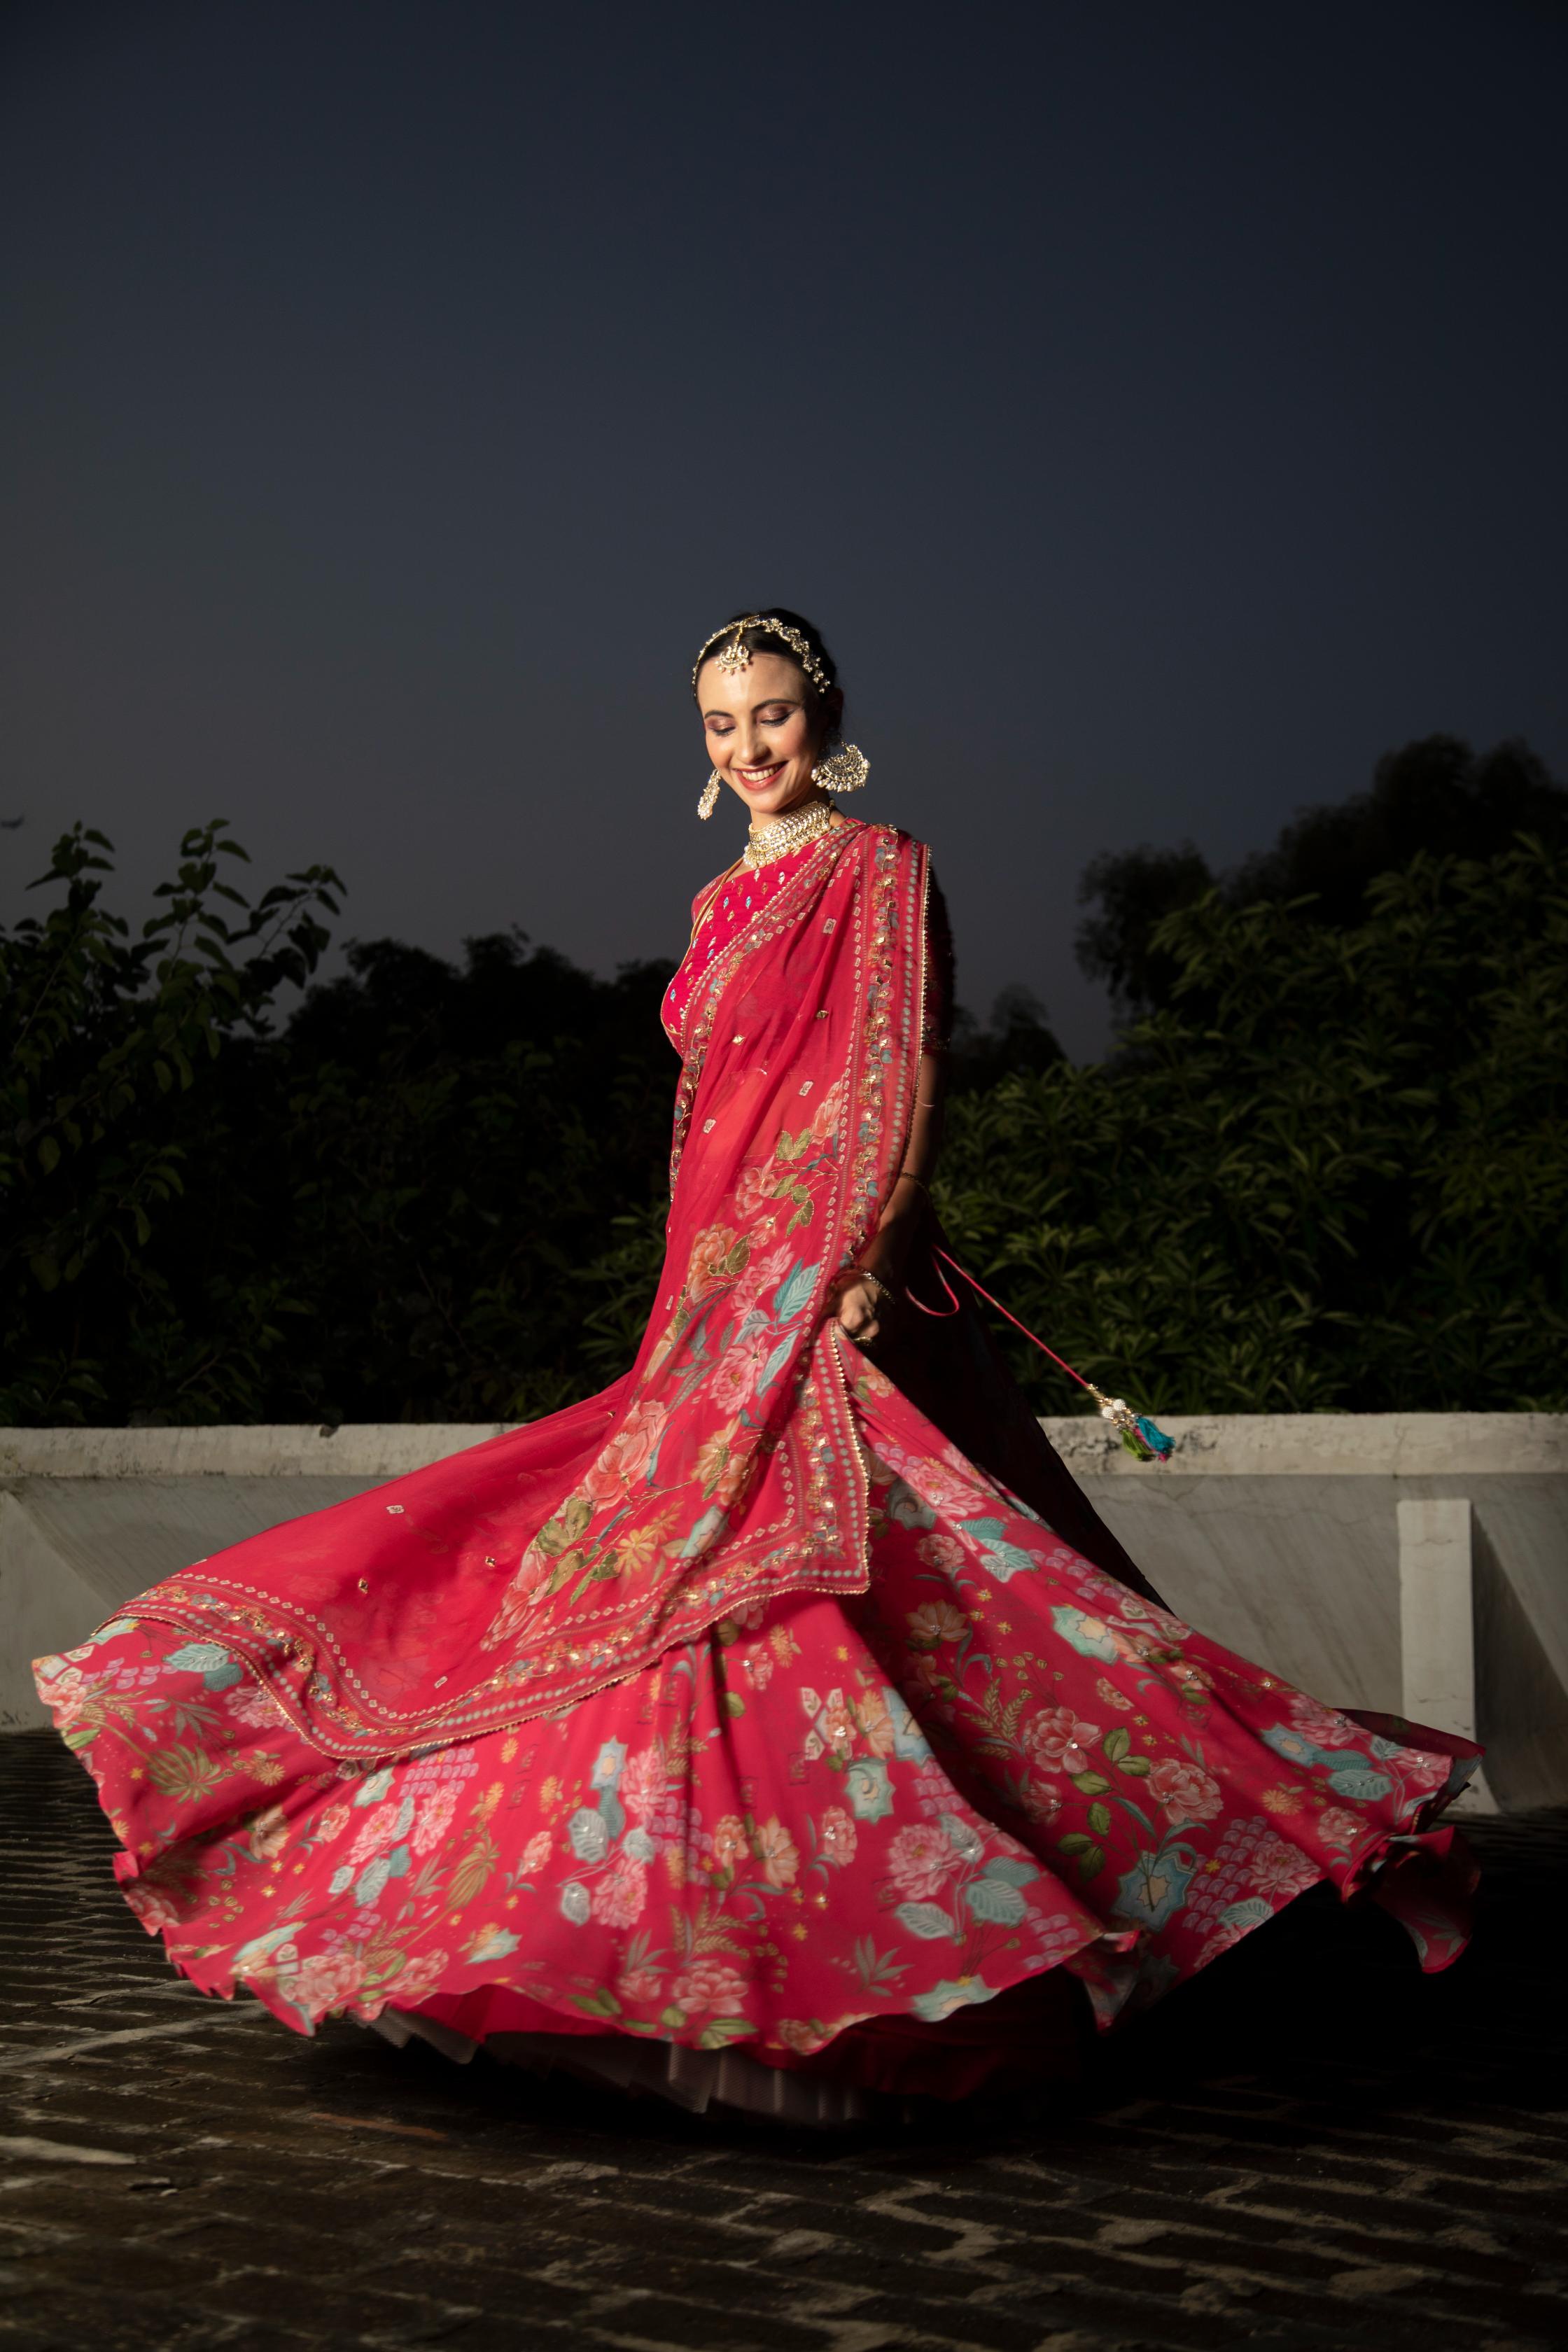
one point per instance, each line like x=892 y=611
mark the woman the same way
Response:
x=781 y=1723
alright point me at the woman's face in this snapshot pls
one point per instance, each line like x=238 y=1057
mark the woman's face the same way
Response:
x=761 y=736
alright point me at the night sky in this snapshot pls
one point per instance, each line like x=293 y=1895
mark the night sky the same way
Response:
x=1161 y=410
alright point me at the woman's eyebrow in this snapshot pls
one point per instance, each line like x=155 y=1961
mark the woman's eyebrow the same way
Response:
x=769 y=702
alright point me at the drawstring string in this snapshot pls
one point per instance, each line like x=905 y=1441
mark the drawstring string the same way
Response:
x=1138 y=1434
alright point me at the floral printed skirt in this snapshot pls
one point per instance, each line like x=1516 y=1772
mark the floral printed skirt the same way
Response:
x=906 y=1838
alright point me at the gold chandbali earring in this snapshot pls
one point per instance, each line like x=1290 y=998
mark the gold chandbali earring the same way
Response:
x=844 y=767
x=710 y=799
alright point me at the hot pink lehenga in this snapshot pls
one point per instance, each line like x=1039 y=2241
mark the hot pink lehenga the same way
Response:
x=776 y=1726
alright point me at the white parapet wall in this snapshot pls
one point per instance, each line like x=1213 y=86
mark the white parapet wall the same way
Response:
x=1411 y=1562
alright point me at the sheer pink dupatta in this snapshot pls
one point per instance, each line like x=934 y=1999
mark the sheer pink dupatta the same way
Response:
x=724 y=1468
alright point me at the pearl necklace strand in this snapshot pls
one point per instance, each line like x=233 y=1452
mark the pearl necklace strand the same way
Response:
x=786 y=833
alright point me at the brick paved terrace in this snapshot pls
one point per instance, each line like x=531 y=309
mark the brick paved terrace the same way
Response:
x=1314 y=2146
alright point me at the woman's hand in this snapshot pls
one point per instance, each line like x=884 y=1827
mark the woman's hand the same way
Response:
x=858 y=1306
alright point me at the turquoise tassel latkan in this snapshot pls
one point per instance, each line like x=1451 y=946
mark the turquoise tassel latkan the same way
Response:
x=1144 y=1439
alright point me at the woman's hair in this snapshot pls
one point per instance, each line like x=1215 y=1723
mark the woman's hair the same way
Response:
x=763 y=641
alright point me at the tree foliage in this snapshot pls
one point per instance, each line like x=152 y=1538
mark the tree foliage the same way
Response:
x=381 y=1210
x=1333 y=1173
x=1331 y=1170
x=1436 y=795
x=103 y=1041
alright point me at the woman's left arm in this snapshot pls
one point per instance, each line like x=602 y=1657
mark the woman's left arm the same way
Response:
x=861 y=1306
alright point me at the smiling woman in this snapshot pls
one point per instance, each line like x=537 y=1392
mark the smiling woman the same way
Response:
x=780 y=1726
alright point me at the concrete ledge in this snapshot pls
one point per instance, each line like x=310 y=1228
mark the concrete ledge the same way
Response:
x=1327 y=1444
x=1212 y=1445
x=281 y=1450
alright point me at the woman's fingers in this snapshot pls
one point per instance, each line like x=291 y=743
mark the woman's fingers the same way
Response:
x=856 y=1307
x=857 y=1314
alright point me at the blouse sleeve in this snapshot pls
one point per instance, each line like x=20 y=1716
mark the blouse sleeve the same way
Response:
x=937 y=1021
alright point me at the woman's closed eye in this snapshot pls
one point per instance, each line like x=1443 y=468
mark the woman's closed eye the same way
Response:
x=764 y=718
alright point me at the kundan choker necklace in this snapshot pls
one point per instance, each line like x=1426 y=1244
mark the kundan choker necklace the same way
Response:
x=786 y=833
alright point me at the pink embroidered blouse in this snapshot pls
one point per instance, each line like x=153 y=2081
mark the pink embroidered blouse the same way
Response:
x=722 y=909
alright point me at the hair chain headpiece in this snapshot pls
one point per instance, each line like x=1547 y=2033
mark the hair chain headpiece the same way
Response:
x=737 y=657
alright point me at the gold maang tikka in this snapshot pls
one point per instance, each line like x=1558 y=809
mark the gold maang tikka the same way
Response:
x=737 y=657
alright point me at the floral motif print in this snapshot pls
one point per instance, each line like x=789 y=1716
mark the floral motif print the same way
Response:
x=708 y=1984
x=934 y=1624
x=625 y=1458
x=838 y=1834
x=1184 y=1790
x=776 y=1853
x=938 y=1795
x=1059 y=1741
x=921 y=1858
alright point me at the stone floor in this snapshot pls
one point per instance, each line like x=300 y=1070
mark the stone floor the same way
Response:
x=1313 y=2146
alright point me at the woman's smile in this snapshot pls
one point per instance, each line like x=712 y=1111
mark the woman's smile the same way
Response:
x=757 y=780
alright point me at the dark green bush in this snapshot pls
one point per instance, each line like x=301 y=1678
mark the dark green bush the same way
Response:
x=1332 y=1172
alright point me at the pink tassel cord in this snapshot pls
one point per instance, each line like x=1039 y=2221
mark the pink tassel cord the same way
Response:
x=1140 y=1437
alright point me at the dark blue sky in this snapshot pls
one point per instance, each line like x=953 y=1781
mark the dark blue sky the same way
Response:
x=1161 y=410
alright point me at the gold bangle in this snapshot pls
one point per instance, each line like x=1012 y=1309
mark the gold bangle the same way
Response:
x=877 y=1283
